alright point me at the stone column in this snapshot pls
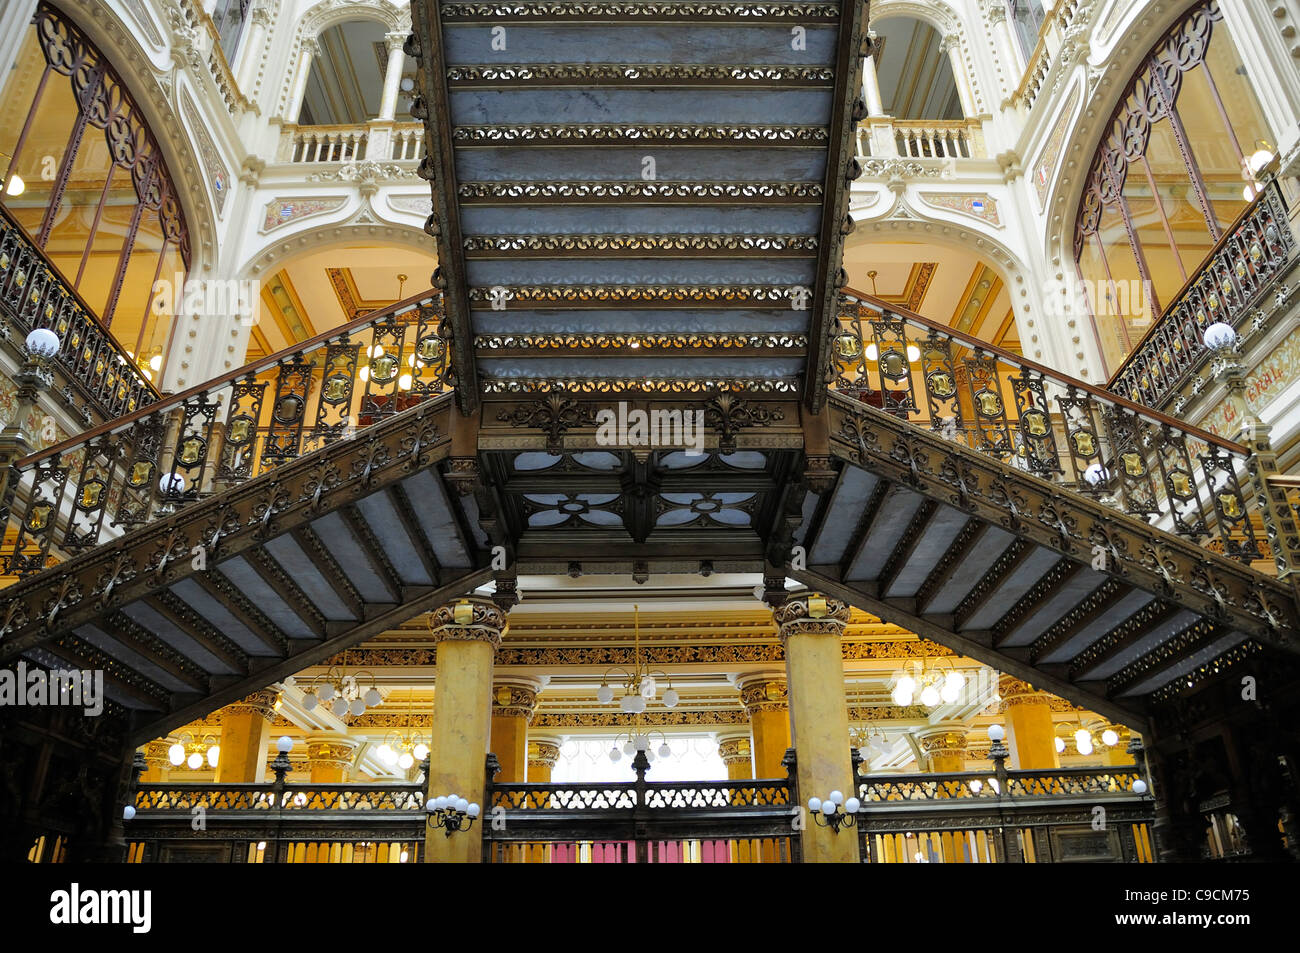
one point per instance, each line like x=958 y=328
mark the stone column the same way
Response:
x=250 y=52
x=945 y=748
x=766 y=698
x=810 y=627
x=543 y=753
x=871 y=85
x=467 y=633
x=1007 y=46
x=329 y=757
x=736 y=753
x=243 y=739
x=15 y=24
x=310 y=49
x=951 y=44
x=1031 y=732
x=513 y=704
x=392 y=76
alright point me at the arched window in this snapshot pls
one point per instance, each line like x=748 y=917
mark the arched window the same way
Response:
x=914 y=71
x=1171 y=176
x=347 y=76
x=85 y=179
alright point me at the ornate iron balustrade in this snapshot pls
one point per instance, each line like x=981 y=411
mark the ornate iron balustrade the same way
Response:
x=641 y=821
x=148 y=464
x=1004 y=816
x=971 y=785
x=277 y=822
x=34 y=294
x=1059 y=429
x=1232 y=280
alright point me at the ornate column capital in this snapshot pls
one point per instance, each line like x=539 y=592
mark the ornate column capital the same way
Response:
x=262 y=14
x=468 y=620
x=1015 y=691
x=734 y=749
x=810 y=613
x=943 y=741
x=259 y=703
x=332 y=749
x=394 y=41
x=543 y=752
x=514 y=700
x=310 y=46
x=155 y=755
x=764 y=692
x=997 y=12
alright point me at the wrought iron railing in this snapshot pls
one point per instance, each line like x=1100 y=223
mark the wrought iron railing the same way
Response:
x=1231 y=282
x=994 y=816
x=1121 y=453
x=34 y=294
x=150 y=463
x=642 y=821
x=277 y=822
x=1001 y=816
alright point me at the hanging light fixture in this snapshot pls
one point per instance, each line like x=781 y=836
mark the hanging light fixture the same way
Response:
x=193 y=750
x=638 y=684
x=343 y=692
x=404 y=748
x=930 y=686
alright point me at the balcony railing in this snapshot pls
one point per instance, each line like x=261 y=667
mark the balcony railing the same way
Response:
x=1055 y=27
x=1001 y=816
x=34 y=294
x=994 y=817
x=150 y=463
x=1181 y=479
x=277 y=822
x=1231 y=282
x=882 y=137
x=378 y=142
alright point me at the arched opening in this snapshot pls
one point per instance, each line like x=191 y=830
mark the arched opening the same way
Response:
x=914 y=71
x=326 y=287
x=1175 y=170
x=347 y=75
x=948 y=285
x=84 y=178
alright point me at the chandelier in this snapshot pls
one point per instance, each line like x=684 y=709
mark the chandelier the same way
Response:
x=929 y=685
x=639 y=687
x=1085 y=740
x=870 y=742
x=405 y=747
x=342 y=691
x=634 y=740
x=638 y=684
x=191 y=750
